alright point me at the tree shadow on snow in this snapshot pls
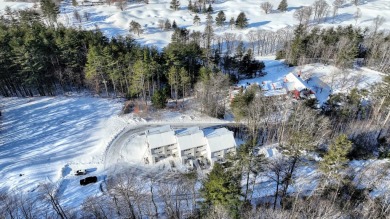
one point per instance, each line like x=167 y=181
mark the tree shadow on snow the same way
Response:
x=294 y=8
x=258 y=24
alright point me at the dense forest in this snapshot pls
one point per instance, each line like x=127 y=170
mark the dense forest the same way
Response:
x=48 y=60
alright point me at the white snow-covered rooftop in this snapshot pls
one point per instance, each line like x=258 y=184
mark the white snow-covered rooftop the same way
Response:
x=191 y=138
x=158 y=130
x=279 y=92
x=187 y=131
x=294 y=82
x=220 y=139
x=160 y=136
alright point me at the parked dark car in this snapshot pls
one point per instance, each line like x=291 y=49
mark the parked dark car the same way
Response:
x=88 y=180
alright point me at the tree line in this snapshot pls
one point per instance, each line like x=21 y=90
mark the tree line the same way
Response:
x=341 y=46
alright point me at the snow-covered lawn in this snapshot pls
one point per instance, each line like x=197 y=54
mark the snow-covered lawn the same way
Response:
x=46 y=139
x=112 y=21
x=14 y=5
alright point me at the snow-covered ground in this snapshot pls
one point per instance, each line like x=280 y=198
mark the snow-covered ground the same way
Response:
x=14 y=5
x=112 y=21
x=46 y=139
x=368 y=174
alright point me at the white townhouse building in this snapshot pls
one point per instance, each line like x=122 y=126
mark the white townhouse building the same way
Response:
x=220 y=142
x=189 y=144
x=161 y=143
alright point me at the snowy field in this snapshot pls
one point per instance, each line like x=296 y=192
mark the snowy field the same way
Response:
x=45 y=140
x=113 y=22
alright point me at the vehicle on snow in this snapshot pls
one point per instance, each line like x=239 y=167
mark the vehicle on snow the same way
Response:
x=88 y=180
x=80 y=172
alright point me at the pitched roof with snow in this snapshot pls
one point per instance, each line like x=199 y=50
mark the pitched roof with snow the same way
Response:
x=294 y=82
x=160 y=136
x=190 y=138
x=158 y=130
x=187 y=131
x=220 y=139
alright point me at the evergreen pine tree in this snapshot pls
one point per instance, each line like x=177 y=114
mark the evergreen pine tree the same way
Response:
x=185 y=80
x=222 y=187
x=209 y=31
x=139 y=78
x=204 y=74
x=283 y=6
x=173 y=81
x=174 y=25
x=204 y=9
x=195 y=8
x=241 y=21
x=190 y=6
x=175 y=4
x=297 y=45
x=50 y=10
x=95 y=68
x=167 y=25
x=74 y=3
x=159 y=99
x=220 y=19
x=231 y=23
x=240 y=50
x=336 y=157
x=209 y=9
x=196 y=20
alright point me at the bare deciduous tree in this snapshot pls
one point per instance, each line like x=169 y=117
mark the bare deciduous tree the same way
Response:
x=320 y=8
x=86 y=16
x=307 y=11
x=77 y=16
x=356 y=2
x=267 y=7
x=229 y=41
x=377 y=22
x=336 y=5
x=121 y=4
x=251 y=35
x=135 y=27
x=277 y=172
x=49 y=192
x=211 y=94
x=127 y=190
x=303 y=131
x=299 y=14
x=357 y=15
x=160 y=24
x=98 y=207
